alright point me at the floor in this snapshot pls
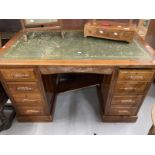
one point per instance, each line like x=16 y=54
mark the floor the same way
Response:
x=77 y=113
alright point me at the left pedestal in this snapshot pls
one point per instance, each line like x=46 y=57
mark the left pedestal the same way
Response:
x=29 y=92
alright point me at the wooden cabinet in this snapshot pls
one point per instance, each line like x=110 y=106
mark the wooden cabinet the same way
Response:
x=127 y=94
x=28 y=93
x=115 y=31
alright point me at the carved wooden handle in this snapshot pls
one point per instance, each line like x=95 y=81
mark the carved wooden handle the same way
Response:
x=124 y=101
x=135 y=77
x=28 y=100
x=32 y=111
x=24 y=89
x=21 y=75
x=129 y=88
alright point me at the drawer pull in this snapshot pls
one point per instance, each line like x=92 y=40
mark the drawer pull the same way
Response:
x=129 y=88
x=24 y=89
x=134 y=77
x=32 y=111
x=28 y=100
x=21 y=76
x=115 y=33
x=101 y=31
x=129 y=101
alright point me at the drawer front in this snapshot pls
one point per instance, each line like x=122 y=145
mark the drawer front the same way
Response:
x=20 y=87
x=126 y=100
x=30 y=111
x=27 y=97
x=19 y=74
x=135 y=75
x=28 y=101
x=90 y=30
x=128 y=35
x=123 y=111
x=131 y=87
x=108 y=34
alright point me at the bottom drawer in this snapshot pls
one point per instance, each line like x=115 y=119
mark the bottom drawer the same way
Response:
x=30 y=110
x=126 y=111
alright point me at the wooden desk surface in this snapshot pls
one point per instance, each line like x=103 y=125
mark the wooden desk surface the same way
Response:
x=48 y=48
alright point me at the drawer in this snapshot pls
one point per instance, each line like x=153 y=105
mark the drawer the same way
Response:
x=135 y=75
x=23 y=87
x=27 y=97
x=19 y=74
x=131 y=87
x=108 y=34
x=128 y=35
x=114 y=35
x=90 y=31
x=126 y=100
x=30 y=110
x=28 y=101
x=123 y=111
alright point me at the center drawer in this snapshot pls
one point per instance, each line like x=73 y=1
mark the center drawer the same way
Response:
x=130 y=87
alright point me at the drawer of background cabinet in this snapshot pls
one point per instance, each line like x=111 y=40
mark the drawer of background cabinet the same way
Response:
x=108 y=34
x=123 y=111
x=135 y=75
x=130 y=87
x=30 y=110
x=90 y=31
x=23 y=87
x=19 y=74
x=128 y=35
x=126 y=100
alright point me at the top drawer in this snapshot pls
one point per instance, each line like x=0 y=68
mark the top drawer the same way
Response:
x=136 y=75
x=27 y=74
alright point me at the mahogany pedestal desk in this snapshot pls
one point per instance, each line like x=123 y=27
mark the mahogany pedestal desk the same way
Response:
x=31 y=73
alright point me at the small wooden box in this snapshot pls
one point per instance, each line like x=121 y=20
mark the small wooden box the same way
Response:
x=110 y=30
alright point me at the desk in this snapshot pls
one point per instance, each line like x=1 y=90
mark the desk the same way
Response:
x=30 y=71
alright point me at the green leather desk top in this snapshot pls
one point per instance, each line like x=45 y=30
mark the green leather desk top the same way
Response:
x=50 y=45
